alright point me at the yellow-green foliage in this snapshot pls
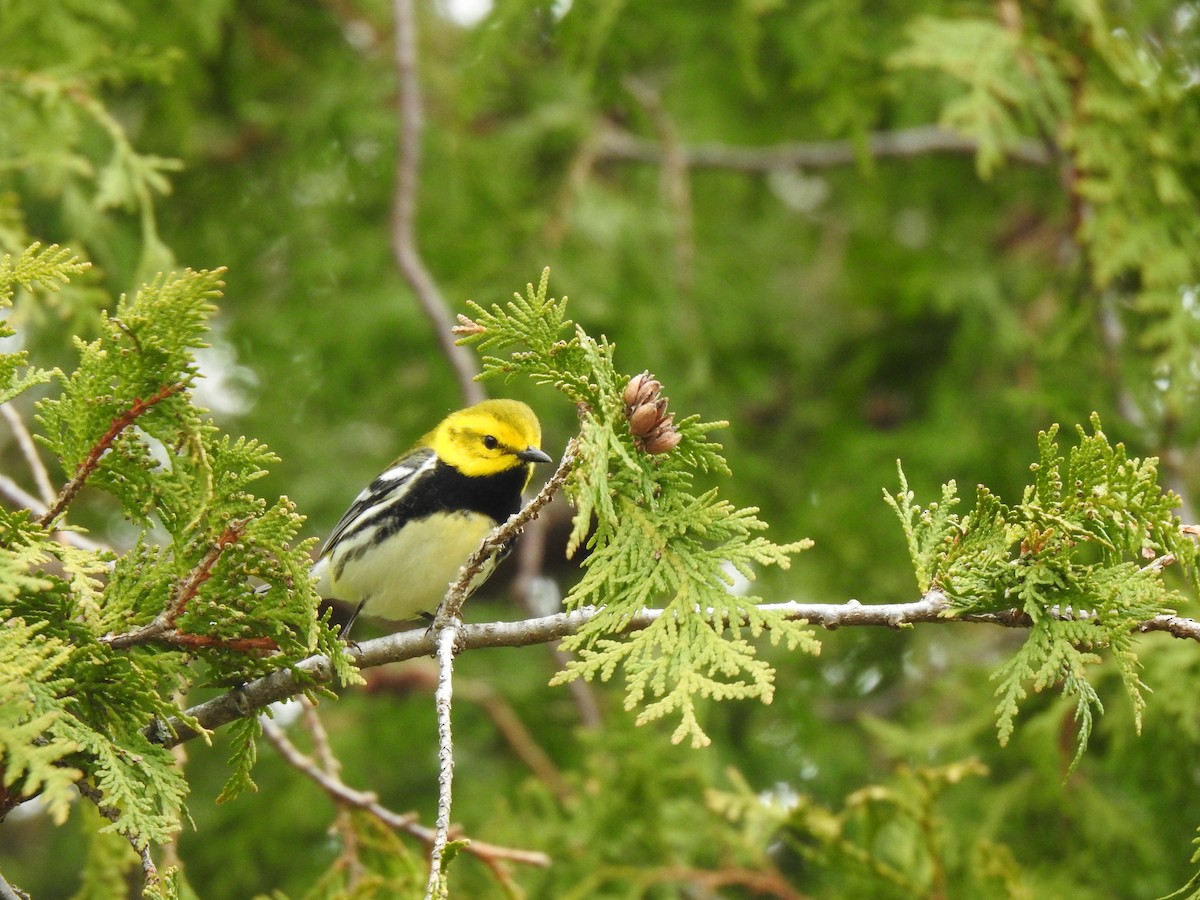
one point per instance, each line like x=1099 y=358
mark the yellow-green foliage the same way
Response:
x=1074 y=555
x=653 y=542
x=74 y=704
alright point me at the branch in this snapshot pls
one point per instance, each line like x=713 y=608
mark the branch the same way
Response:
x=500 y=536
x=25 y=441
x=316 y=670
x=446 y=638
x=676 y=191
x=449 y=624
x=617 y=144
x=711 y=881
x=183 y=594
x=8 y=892
x=84 y=470
x=340 y=792
x=149 y=870
x=404 y=202
x=344 y=795
x=261 y=644
x=22 y=497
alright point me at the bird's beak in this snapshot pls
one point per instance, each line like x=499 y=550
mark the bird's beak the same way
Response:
x=533 y=454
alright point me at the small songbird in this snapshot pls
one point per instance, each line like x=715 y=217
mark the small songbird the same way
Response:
x=405 y=537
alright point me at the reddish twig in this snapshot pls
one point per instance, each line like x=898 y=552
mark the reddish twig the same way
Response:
x=183 y=594
x=208 y=641
x=768 y=883
x=85 y=469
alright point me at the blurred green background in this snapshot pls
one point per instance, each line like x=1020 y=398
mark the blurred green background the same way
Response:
x=935 y=296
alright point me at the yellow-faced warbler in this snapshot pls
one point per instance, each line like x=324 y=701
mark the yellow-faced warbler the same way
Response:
x=405 y=537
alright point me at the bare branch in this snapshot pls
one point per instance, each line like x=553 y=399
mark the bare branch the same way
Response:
x=346 y=796
x=341 y=793
x=760 y=883
x=515 y=733
x=674 y=187
x=1176 y=626
x=8 y=892
x=451 y=606
x=25 y=441
x=446 y=638
x=316 y=670
x=617 y=144
x=448 y=625
x=404 y=202
x=22 y=497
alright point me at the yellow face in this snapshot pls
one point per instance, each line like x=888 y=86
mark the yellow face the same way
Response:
x=488 y=438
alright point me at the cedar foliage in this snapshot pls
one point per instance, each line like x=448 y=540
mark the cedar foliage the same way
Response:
x=839 y=314
x=1081 y=555
x=652 y=542
x=98 y=643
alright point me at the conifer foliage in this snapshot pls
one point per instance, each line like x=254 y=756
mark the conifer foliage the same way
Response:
x=652 y=541
x=213 y=589
x=1082 y=556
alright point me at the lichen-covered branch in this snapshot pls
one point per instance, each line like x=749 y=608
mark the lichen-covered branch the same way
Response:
x=933 y=608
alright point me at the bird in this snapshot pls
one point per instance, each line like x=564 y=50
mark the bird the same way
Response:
x=404 y=538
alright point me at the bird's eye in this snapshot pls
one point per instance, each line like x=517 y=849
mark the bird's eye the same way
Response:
x=490 y=442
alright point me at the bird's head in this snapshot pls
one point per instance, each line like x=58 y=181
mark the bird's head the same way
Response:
x=489 y=438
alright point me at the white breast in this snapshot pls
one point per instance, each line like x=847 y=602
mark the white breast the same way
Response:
x=434 y=550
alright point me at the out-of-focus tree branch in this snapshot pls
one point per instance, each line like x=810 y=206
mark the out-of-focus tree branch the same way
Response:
x=346 y=796
x=613 y=143
x=411 y=126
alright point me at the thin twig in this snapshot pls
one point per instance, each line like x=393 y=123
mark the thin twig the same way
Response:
x=421 y=677
x=344 y=795
x=320 y=738
x=404 y=202
x=348 y=858
x=338 y=791
x=29 y=450
x=8 y=892
x=176 y=638
x=149 y=870
x=184 y=592
x=760 y=883
x=22 y=497
x=84 y=470
x=616 y=144
x=518 y=737
x=447 y=635
x=675 y=186
x=500 y=536
x=448 y=625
